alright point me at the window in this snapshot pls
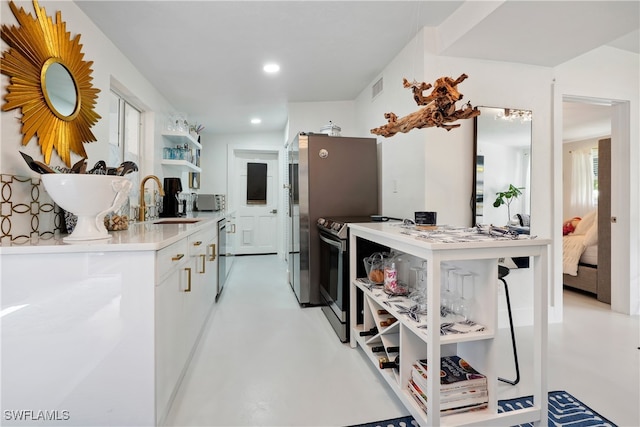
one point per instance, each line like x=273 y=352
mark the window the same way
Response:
x=256 y=183
x=124 y=131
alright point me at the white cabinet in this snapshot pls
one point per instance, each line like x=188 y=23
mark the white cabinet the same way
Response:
x=102 y=333
x=175 y=138
x=416 y=339
x=204 y=276
x=185 y=293
x=174 y=273
x=78 y=336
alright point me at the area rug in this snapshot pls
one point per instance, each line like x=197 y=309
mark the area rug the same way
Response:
x=564 y=410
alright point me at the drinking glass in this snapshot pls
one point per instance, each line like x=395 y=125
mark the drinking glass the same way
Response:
x=465 y=305
x=419 y=295
x=445 y=292
x=452 y=295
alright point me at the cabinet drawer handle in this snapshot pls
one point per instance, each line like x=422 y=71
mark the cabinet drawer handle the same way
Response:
x=203 y=263
x=188 y=270
x=198 y=243
x=178 y=257
x=213 y=252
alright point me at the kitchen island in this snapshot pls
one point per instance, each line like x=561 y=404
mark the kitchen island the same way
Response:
x=101 y=333
x=390 y=327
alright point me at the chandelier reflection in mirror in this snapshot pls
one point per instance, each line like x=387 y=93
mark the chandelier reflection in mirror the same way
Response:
x=512 y=115
x=50 y=82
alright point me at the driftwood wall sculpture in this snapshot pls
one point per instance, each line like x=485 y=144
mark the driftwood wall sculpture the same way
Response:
x=439 y=108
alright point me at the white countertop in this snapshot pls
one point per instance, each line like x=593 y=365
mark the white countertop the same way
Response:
x=444 y=238
x=141 y=236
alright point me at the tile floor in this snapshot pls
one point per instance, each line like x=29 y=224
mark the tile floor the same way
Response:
x=263 y=360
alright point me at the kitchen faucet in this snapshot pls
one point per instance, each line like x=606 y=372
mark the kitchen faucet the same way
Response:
x=142 y=204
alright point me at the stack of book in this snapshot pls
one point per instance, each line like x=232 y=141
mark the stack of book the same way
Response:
x=462 y=388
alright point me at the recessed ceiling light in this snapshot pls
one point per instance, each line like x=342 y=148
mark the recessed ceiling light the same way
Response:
x=256 y=121
x=271 y=68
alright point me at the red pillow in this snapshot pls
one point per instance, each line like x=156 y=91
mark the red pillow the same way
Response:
x=570 y=226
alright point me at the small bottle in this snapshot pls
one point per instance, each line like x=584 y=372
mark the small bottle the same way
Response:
x=372 y=331
x=388 y=322
x=386 y=363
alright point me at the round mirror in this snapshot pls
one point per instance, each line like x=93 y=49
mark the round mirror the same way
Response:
x=59 y=89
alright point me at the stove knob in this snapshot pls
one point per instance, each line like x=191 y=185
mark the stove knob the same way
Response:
x=321 y=221
x=336 y=226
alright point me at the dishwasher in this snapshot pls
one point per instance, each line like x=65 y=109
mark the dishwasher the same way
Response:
x=222 y=256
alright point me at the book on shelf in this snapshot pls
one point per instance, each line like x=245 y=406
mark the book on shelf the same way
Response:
x=462 y=388
x=455 y=374
x=422 y=404
x=459 y=401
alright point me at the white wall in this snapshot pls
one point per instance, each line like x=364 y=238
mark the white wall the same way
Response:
x=214 y=155
x=312 y=116
x=402 y=157
x=108 y=64
x=432 y=169
x=613 y=74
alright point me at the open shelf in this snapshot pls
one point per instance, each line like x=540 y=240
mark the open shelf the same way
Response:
x=181 y=164
x=181 y=138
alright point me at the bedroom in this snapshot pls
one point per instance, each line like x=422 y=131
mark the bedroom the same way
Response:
x=587 y=197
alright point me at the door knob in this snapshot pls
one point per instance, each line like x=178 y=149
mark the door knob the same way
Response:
x=274 y=211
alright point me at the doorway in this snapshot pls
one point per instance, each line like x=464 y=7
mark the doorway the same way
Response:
x=254 y=197
x=620 y=143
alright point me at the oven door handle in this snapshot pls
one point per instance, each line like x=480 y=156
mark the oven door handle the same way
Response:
x=340 y=245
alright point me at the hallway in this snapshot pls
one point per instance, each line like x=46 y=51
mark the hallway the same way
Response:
x=263 y=360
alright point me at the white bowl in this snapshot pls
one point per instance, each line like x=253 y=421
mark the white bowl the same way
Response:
x=90 y=197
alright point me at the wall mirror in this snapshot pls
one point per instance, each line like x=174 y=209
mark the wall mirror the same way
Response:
x=50 y=82
x=502 y=157
x=59 y=89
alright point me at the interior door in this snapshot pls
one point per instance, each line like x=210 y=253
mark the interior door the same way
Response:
x=256 y=177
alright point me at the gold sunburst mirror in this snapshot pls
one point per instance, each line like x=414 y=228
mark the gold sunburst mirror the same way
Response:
x=50 y=82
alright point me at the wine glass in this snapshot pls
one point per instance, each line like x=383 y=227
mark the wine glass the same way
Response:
x=464 y=309
x=451 y=295
x=444 y=284
x=419 y=295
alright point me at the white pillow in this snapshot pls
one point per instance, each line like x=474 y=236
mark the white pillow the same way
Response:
x=586 y=223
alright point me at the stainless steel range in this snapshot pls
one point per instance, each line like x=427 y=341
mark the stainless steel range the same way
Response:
x=334 y=268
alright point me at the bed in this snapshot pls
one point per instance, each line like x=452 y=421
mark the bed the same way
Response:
x=586 y=252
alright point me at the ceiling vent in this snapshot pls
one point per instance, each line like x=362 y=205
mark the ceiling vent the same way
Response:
x=376 y=88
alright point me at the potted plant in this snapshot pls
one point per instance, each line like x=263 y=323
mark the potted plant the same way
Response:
x=506 y=197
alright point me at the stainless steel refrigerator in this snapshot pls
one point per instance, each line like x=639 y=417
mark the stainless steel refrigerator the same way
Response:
x=328 y=176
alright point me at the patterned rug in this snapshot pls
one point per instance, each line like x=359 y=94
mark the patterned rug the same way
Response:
x=564 y=410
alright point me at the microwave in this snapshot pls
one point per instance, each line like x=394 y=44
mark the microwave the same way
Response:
x=211 y=202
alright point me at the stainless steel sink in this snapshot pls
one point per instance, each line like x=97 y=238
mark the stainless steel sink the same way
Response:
x=177 y=221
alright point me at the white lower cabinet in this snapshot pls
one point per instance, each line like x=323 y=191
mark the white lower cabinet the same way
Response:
x=184 y=297
x=99 y=335
x=170 y=311
x=429 y=337
x=77 y=334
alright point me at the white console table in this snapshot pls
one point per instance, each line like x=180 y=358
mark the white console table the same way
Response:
x=415 y=339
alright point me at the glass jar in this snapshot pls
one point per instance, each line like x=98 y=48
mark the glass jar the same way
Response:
x=118 y=220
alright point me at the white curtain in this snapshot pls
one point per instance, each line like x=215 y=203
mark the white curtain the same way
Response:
x=582 y=200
